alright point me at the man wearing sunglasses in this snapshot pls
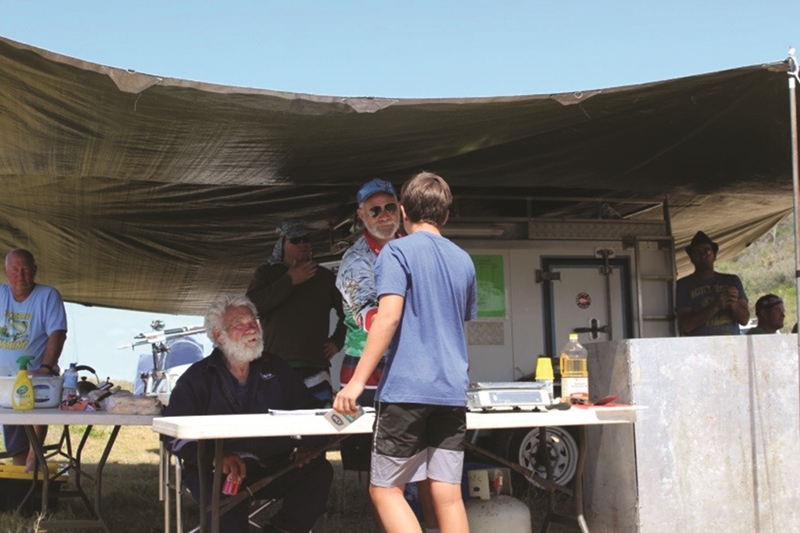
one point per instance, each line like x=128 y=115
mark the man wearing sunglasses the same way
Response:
x=379 y=213
x=294 y=297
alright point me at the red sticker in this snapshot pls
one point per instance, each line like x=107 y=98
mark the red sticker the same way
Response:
x=583 y=300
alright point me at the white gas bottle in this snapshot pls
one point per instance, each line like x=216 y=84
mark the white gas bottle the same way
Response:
x=498 y=514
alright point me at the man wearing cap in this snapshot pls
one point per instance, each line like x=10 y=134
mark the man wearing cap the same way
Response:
x=709 y=302
x=379 y=213
x=294 y=297
x=770 y=313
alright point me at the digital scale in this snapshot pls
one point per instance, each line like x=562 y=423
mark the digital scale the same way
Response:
x=514 y=395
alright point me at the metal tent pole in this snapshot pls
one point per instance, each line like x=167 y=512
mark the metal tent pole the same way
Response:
x=792 y=71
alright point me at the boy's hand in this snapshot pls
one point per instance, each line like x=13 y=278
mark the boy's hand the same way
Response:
x=346 y=399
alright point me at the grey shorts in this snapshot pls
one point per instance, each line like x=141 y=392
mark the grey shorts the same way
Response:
x=412 y=442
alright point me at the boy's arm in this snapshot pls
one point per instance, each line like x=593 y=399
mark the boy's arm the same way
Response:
x=390 y=309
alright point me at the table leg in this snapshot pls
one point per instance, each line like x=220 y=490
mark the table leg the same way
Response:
x=38 y=450
x=74 y=464
x=544 y=455
x=216 y=488
x=76 y=460
x=552 y=516
x=98 y=484
x=202 y=473
x=582 y=446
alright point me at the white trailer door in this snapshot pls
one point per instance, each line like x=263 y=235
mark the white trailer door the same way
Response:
x=589 y=296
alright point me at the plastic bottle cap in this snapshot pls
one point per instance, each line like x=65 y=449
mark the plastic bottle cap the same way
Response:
x=573 y=336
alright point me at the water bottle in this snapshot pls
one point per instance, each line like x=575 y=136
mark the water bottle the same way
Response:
x=70 y=385
x=574 y=371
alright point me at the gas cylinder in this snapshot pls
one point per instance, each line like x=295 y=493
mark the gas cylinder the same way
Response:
x=498 y=514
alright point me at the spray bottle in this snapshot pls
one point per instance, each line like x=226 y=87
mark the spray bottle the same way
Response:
x=22 y=398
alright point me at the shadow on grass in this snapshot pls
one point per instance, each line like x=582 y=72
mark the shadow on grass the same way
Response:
x=131 y=503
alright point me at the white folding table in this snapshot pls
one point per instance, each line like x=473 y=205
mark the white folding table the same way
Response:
x=72 y=457
x=221 y=427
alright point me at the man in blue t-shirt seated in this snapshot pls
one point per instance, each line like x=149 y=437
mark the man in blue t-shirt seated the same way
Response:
x=709 y=302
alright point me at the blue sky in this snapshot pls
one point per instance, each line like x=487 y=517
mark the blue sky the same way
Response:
x=406 y=49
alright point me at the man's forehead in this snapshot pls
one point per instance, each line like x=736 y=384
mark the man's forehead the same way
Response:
x=17 y=258
x=234 y=314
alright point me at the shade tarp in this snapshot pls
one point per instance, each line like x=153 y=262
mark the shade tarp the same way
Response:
x=150 y=193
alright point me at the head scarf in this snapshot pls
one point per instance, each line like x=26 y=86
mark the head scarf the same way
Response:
x=290 y=227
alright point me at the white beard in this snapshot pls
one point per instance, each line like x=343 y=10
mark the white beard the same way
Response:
x=240 y=351
x=385 y=233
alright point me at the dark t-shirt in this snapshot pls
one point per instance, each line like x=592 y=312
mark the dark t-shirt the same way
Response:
x=296 y=319
x=696 y=294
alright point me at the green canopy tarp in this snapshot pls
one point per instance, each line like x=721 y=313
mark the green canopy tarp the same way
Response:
x=144 y=192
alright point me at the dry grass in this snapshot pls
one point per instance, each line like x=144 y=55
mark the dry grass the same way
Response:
x=130 y=491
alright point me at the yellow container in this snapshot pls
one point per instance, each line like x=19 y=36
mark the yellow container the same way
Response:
x=544 y=368
x=15 y=483
x=22 y=395
x=544 y=373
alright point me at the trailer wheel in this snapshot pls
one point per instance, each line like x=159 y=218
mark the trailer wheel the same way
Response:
x=522 y=446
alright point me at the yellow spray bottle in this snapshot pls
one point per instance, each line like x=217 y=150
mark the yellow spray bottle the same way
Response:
x=22 y=397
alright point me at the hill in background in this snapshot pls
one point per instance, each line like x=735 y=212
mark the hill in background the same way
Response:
x=768 y=266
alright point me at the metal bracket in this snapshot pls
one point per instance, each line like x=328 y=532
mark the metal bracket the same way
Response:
x=605 y=253
x=545 y=276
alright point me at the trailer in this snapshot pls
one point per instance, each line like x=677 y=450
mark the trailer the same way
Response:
x=539 y=279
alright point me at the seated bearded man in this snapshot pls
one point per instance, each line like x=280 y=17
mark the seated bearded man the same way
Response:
x=237 y=378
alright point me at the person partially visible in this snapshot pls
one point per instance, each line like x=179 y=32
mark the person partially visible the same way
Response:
x=709 y=302
x=379 y=211
x=33 y=322
x=426 y=287
x=771 y=313
x=294 y=297
x=240 y=378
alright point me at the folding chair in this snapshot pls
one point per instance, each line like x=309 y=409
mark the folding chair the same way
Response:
x=172 y=485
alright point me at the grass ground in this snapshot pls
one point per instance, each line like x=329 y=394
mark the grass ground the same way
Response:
x=130 y=492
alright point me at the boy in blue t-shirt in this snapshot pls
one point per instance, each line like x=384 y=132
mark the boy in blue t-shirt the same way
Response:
x=426 y=290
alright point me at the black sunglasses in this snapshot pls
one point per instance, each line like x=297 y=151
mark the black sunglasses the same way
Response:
x=375 y=211
x=298 y=240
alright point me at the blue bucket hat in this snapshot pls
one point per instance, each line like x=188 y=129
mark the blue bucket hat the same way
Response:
x=374 y=187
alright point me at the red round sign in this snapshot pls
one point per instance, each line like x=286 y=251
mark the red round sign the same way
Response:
x=583 y=300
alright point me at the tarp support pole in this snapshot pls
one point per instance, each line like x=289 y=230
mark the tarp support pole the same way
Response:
x=792 y=70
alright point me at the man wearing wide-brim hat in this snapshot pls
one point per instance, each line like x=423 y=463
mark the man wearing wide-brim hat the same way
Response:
x=709 y=302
